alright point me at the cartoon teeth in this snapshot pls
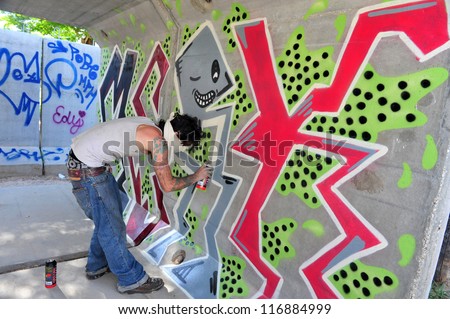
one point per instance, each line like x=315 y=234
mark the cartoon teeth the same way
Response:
x=203 y=100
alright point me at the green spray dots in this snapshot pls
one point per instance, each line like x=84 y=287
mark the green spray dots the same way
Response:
x=430 y=155
x=147 y=189
x=192 y=221
x=243 y=103
x=139 y=63
x=379 y=103
x=314 y=227
x=216 y=14
x=407 y=247
x=149 y=88
x=232 y=282
x=178 y=7
x=201 y=152
x=302 y=170
x=300 y=69
x=187 y=33
x=166 y=45
x=177 y=171
x=275 y=240
x=406 y=178
x=360 y=281
x=106 y=55
x=191 y=245
x=316 y=7
x=129 y=109
x=339 y=24
x=238 y=13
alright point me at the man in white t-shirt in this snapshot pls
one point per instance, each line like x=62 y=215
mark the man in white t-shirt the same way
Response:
x=98 y=193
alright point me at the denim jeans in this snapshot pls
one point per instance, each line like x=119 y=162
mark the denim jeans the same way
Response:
x=101 y=200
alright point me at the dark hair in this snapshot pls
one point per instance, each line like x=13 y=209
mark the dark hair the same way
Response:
x=188 y=127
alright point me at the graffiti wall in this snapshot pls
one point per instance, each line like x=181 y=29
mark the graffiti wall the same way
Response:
x=326 y=125
x=48 y=94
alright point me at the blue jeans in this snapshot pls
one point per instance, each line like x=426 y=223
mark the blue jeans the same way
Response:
x=101 y=200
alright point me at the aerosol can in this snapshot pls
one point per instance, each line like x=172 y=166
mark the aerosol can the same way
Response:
x=50 y=273
x=204 y=182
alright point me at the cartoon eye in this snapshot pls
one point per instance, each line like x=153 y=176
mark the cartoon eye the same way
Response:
x=215 y=71
x=195 y=79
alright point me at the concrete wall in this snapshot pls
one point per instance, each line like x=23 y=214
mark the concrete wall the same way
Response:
x=48 y=94
x=327 y=125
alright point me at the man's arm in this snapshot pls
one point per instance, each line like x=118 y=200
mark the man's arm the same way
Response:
x=168 y=182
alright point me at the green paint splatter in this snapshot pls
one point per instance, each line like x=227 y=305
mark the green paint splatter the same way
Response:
x=123 y=22
x=205 y=211
x=407 y=247
x=167 y=4
x=314 y=227
x=191 y=245
x=178 y=7
x=406 y=178
x=430 y=155
x=150 y=44
x=316 y=7
x=339 y=24
x=129 y=39
x=302 y=170
x=113 y=34
x=378 y=103
x=216 y=14
x=360 y=281
x=133 y=19
x=169 y=24
x=275 y=240
x=143 y=27
x=232 y=282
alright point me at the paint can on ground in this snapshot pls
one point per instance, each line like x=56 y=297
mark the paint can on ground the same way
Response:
x=50 y=273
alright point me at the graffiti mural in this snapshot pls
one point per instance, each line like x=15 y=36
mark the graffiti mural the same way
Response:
x=358 y=238
x=57 y=85
x=307 y=121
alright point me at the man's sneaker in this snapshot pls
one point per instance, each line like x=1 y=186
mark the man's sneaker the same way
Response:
x=152 y=284
x=98 y=274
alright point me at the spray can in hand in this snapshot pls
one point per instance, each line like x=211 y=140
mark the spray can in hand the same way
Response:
x=50 y=273
x=204 y=182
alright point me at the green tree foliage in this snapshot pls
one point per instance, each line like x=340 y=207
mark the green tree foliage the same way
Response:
x=14 y=21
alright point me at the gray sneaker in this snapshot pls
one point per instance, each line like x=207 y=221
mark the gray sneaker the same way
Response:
x=152 y=284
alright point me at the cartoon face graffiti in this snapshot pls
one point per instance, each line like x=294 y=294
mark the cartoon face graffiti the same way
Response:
x=201 y=71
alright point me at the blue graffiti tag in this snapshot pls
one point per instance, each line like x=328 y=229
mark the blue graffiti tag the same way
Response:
x=18 y=69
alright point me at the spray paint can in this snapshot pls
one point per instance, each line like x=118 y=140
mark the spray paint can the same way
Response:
x=202 y=184
x=50 y=273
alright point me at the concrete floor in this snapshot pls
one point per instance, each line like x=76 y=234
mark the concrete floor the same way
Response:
x=41 y=220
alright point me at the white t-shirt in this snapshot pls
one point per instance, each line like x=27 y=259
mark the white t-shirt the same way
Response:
x=109 y=141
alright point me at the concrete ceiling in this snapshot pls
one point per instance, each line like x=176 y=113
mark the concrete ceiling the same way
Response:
x=81 y=13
